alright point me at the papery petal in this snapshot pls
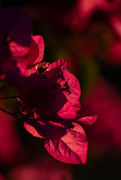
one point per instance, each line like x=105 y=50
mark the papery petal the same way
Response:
x=18 y=49
x=62 y=107
x=30 y=71
x=34 y=56
x=45 y=128
x=54 y=129
x=68 y=84
x=88 y=119
x=36 y=52
x=72 y=87
x=54 y=70
x=54 y=74
x=8 y=17
x=9 y=71
x=19 y=30
x=61 y=63
x=32 y=130
x=67 y=111
x=77 y=106
x=31 y=84
x=71 y=148
x=14 y=42
x=21 y=64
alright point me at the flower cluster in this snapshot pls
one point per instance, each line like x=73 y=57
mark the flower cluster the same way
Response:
x=49 y=101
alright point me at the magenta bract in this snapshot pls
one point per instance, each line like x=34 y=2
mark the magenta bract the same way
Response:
x=15 y=40
x=51 y=100
x=19 y=48
x=71 y=148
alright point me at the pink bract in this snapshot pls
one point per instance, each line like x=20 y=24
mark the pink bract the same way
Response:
x=71 y=148
x=36 y=51
x=51 y=100
x=19 y=48
x=57 y=90
x=14 y=42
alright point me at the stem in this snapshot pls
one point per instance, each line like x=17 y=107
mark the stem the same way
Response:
x=4 y=87
x=8 y=97
x=2 y=80
x=12 y=114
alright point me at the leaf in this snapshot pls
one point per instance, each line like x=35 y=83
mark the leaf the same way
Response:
x=88 y=119
x=71 y=148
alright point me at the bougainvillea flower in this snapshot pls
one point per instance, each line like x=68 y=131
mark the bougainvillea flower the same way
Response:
x=51 y=101
x=54 y=89
x=70 y=147
x=66 y=144
x=18 y=47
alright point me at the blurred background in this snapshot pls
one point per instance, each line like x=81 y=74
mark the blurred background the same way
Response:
x=88 y=34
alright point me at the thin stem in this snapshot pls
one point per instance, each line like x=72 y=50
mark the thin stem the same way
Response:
x=4 y=87
x=9 y=97
x=2 y=80
x=12 y=114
